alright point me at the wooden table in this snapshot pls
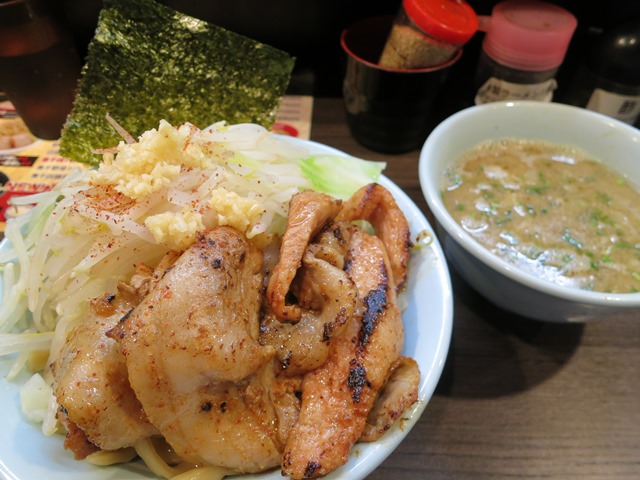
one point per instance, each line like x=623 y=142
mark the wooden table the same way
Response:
x=518 y=398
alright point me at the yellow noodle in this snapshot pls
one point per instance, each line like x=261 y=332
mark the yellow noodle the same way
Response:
x=152 y=454
x=147 y=451
x=203 y=473
x=105 y=457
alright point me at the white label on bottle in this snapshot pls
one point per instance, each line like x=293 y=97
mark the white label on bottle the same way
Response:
x=622 y=107
x=496 y=89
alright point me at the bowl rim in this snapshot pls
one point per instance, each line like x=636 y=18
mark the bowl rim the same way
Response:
x=431 y=191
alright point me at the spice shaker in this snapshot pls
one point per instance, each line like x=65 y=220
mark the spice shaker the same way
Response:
x=427 y=33
x=608 y=82
x=524 y=45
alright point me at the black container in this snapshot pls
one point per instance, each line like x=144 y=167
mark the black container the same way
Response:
x=388 y=110
x=608 y=81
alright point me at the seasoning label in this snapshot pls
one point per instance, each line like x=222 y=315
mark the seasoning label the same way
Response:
x=622 y=107
x=495 y=90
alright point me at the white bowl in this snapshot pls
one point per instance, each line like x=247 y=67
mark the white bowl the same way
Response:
x=25 y=453
x=612 y=142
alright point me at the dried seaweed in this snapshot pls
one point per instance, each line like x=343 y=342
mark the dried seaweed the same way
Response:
x=148 y=62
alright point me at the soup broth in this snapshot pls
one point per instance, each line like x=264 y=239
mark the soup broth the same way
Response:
x=550 y=210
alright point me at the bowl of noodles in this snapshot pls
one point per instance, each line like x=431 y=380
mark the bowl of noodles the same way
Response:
x=25 y=451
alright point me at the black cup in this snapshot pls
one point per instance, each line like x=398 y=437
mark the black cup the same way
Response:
x=388 y=110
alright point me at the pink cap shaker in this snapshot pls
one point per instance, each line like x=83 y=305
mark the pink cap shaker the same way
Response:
x=527 y=34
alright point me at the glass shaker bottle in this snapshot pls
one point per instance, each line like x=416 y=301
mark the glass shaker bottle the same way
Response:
x=427 y=33
x=525 y=43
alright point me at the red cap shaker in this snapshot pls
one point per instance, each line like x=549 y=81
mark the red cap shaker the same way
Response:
x=427 y=33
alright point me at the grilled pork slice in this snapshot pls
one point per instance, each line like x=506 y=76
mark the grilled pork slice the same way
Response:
x=91 y=382
x=338 y=396
x=194 y=359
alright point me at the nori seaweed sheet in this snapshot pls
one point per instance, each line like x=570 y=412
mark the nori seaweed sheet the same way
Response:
x=148 y=62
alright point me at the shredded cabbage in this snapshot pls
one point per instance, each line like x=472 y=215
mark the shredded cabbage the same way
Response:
x=340 y=176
